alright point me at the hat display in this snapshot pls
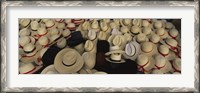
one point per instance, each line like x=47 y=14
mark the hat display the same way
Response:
x=99 y=46
x=68 y=61
x=50 y=70
x=132 y=50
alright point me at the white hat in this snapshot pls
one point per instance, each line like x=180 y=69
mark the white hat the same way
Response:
x=89 y=60
x=71 y=26
x=85 y=26
x=68 y=21
x=162 y=64
x=44 y=41
x=28 y=68
x=135 y=30
x=24 y=22
x=66 y=33
x=173 y=33
x=102 y=35
x=171 y=44
x=145 y=63
x=54 y=31
x=50 y=24
x=158 y=24
x=115 y=55
x=92 y=35
x=154 y=38
x=132 y=50
x=162 y=33
x=165 y=52
x=141 y=38
x=147 y=30
x=34 y=25
x=137 y=22
x=24 y=32
x=176 y=65
x=49 y=70
x=23 y=40
x=148 y=48
x=62 y=43
x=124 y=29
x=126 y=22
x=88 y=45
x=61 y=25
x=169 y=25
x=145 y=23
x=68 y=61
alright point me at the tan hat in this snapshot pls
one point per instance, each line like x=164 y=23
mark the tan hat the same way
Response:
x=169 y=25
x=102 y=35
x=85 y=26
x=115 y=55
x=30 y=49
x=50 y=70
x=165 y=52
x=50 y=24
x=34 y=25
x=128 y=37
x=116 y=32
x=116 y=21
x=71 y=26
x=80 y=48
x=141 y=38
x=147 y=30
x=114 y=25
x=88 y=45
x=171 y=44
x=62 y=43
x=28 y=68
x=61 y=25
x=59 y=20
x=54 y=31
x=104 y=26
x=117 y=40
x=145 y=63
x=145 y=23
x=66 y=33
x=162 y=33
x=158 y=24
x=106 y=20
x=137 y=22
x=173 y=33
x=176 y=65
x=124 y=29
x=92 y=35
x=148 y=48
x=89 y=60
x=44 y=41
x=42 y=31
x=68 y=61
x=135 y=30
x=126 y=22
x=68 y=21
x=23 y=40
x=24 y=22
x=154 y=38
x=24 y=32
x=95 y=26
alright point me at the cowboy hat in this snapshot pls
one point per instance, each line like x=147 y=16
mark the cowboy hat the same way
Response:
x=132 y=50
x=170 y=43
x=68 y=61
x=24 y=22
x=102 y=35
x=145 y=63
x=145 y=23
x=24 y=32
x=49 y=70
x=115 y=55
x=173 y=33
x=162 y=33
x=137 y=22
x=89 y=60
x=148 y=48
x=135 y=30
x=28 y=68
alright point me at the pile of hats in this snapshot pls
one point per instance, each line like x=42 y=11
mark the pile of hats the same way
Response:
x=99 y=46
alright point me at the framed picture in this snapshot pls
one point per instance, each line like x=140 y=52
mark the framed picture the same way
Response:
x=100 y=46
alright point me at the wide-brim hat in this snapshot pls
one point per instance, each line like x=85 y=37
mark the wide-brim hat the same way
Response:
x=49 y=70
x=134 y=48
x=62 y=68
x=151 y=52
x=89 y=60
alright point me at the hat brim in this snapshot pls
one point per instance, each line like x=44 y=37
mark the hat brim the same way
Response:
x=71 y=69
x=37 y=68
x=49 y=68
x=116 y=51
x=137 y=52
x=119 y=62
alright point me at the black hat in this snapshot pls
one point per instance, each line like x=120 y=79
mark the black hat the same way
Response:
x=75 y=39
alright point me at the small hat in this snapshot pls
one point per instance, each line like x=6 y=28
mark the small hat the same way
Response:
x=115 y=55
x=154 y=38
x=165 y=52
x=85 y=25
x=42 y=31
x=50 y=24
x=102 y=35
x=158 y=24
x=23 y=40
x=137 y=22
x=132 y=50
x=135 y=30
x=124 y=29
x=88 y=45
x=169 y=25
x=34 y=25
x=55 y=38
x=145 y=63
x=28 y=68
x=141 y=38
x=126 y=22
x=24 y=32
x=62 y=43
x=44 y=41
x=171 y=44
x=145 y=23
x=30 y=49
x=24 y=22
x=92 y=35
x=176 y=65
x=104 y=26
x=66 y=33
x=162 y=33
x=173 y=33
x=147 y=30
x=106 y=20
x=68 y=61
x=89 y=60
x=128 y=37
x=95 y=26
x=49 y=70
x=148 y=48
x=116 y=21
x=71 y=26
x=114 y=25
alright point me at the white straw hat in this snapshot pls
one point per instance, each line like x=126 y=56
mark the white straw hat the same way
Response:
x=158 y=24
x=154 y=38
x=42 y=31
x=176 y=65
x=95 y=26
x=135 y=30
x=173 y=33
x=24 y=32
x=68 y=61
x=28 y=68
x=34 y=25
x=102 y=35
x=165 y=52
x=162 y=33
x=124 y=29
x=30 y=49
x=171 y=44
x=24 y=22
x=54 y=31
x=66 y=33
x=61 y=25
x=145 y=63
x=49 y=70
x=115 y=55
x=88 y=45
x=137 y=22
x=145 y=23
x=147 y=30
x=126 y=22
x=117 y=40
x=132 y=50
x=92 y=35
x=85 y=26
x=148 y=48
x=89 y=60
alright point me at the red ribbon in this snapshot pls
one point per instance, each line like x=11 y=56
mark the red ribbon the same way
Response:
x=172 y=47
x=22 y=46
x=141 y=68
x=38 y=36
x=172 y=36
x=30 y=71
x=157 y=67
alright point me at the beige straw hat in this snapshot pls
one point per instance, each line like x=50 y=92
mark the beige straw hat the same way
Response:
x=176 y=65
x=62 y=43
x=114 y=25
x=28 y=68
x=126 y=22
x=169 y=25
x=50 y=24
x=148 y=48
x=92 y=35
x=23 y=40
x=165 y=52
x=145 y=23
x=147 y=30
x=116 y=21
x=42 y=31
x=61 y=25
x=89 y=60
x=171 y=44
x=158 y=24
x=66 y=33
x=95 y=26
x=137 y=22
x=173 y=33
x=128 y=37
x=24 y=32
x=24 y=22
x=154 y=38
x=68 y=61
x=67 y=21
x=141 y=38
x=44 y=41
x=88 y=45
x=50 y=70
x=104 y=26
x=85 y=25
x=162 y=33
x=124 y=29
x=145 y=63
x=102 y=35
x=135 y=30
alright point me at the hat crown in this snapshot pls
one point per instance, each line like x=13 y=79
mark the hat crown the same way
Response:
x=147 y=30
x=24 y=22
x=117 y=40
x=171 y=42
x=163 y=49
x=24 y=40
x=177 y=63
x=141 y=37
x=29 y=47
x=160 y=60
x=43 y=40
x=147 y=46
x=116 y=56
x=130 y=49
x=95 y=24
x=24 y=32
x=158 y=24
x=145 y=23
x=69 y=58
x=49 y=23
x=169 y=25
x=66 y=32
x=102 y=35
x=104 y=26
x=142 y=59
x=88 y=45
x=137 y=22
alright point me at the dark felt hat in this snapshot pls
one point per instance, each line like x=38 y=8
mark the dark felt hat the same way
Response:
x=75 y=39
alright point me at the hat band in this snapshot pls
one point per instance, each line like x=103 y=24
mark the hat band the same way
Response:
x=29 y=71
x=51 y=26
x=68 y=65
x=172 y=47
x=40 y=35
x=174 y=37
x=135 y=33
x=30 y=51
x=162 y=53
x=20 y=46
x=27 y=24
x=141 y=67
x=157 y=67
x=28 y=56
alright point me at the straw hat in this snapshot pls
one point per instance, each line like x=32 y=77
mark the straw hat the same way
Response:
x=176 y=65
x=124 y=29
x=148 y=48
x=23 y=40
x=104 y=26
x=68 y=61
x=54 y=31
x=55 y=38
x=141 y=38
x=145 y=23
x=128 y=37
x=66 y=33
x=145 y=63
x=165 y=52
x=135 y=30
x=50 y=24
x=28 y=68
x=42 y=31
x=61 y=25
x=147 y=30
x=44 y=41
x=49 y=70
x=85 y=25
x=89 y=60
x=115 y=32
x=24 y=32
x=102 y=35
x=154 y=38
x=173 y=33
x=68 y=21
x=110 y=39
x=119 y=40
x=132 y=50
x=71 y=26
x=34 y=25
x=62 y=43
x=126 y=22
x=59 y=20
x=30 y=49
x=95 y=26
x=115 y=54
x=88 y=45
x=162 y=33
x=116 y=21
x=137 y=22
x=171 y=44
x=169 y=25
x=24 y=22
x=106 y=20
x=114 y=25
x=92 y=35
x=158 y=24
x=162 y=64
